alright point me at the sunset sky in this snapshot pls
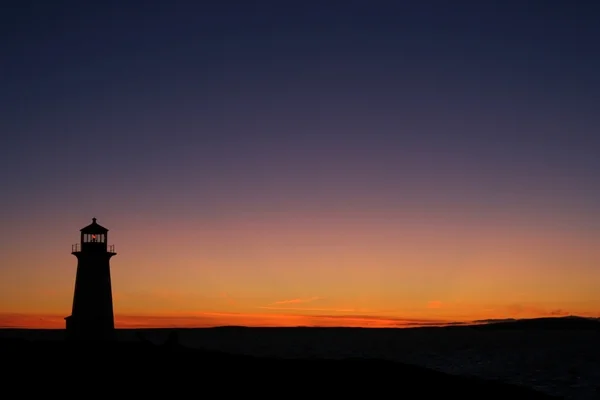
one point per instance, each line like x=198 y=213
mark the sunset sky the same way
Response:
x=282 y=163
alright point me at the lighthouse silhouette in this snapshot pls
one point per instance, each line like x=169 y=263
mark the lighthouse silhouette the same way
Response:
x=92 y=314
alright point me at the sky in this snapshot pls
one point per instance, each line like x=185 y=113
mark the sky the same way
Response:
x=283 y=163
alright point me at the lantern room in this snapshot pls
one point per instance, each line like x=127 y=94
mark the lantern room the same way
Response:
x=94 y=236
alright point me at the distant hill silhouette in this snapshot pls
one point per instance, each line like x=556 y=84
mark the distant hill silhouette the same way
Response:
x=548 y=323
x=174 y=371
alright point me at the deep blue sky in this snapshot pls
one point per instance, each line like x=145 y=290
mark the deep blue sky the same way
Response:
x=185 y=105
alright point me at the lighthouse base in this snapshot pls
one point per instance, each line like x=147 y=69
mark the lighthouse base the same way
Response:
x=80 y=329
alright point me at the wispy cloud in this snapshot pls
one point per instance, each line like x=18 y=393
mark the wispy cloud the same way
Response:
x=308 y=309
x=435 y=304
x=298 y=301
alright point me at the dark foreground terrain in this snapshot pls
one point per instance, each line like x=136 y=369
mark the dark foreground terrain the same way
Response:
x=144 y=369
x=557 y=356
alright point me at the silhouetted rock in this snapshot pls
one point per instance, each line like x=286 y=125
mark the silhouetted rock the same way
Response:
x=172 y=340
x=159 y=370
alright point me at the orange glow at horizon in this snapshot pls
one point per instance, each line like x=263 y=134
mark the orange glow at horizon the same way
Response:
x=207 y=320
x=324 y=270
x=217 y=319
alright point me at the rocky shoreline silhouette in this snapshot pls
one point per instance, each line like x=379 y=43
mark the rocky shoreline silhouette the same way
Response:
x=169 y=368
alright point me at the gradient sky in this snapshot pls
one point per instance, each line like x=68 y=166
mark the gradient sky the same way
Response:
x=367 y=163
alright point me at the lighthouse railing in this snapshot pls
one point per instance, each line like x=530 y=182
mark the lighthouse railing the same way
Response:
x=75 y=248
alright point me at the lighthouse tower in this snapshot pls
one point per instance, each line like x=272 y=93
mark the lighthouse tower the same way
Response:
x=92 y=314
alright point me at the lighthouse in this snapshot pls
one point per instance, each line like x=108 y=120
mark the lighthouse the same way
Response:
x=92 y=313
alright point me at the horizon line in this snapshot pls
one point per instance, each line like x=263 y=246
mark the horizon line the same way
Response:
x=6 y=325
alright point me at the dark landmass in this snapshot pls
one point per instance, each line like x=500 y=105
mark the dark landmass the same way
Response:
x=143 y=368
x=558 y=356
x=560 y=323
